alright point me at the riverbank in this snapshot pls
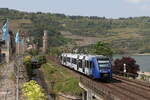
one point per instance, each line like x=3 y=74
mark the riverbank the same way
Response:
x=144 y=76
x=144 y=73
x=141 y=54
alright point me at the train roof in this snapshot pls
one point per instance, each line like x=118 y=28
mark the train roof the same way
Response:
x=81 y=56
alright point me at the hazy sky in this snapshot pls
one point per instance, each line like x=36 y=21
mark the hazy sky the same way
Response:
x=107 y=8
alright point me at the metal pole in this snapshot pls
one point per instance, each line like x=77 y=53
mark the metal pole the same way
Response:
x=17 y=87
x=6 y=94
x=17 y=95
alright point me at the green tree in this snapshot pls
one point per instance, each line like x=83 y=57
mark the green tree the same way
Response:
x=41 y=59
x=33 y=52
x=55 y=51
x=101 y=48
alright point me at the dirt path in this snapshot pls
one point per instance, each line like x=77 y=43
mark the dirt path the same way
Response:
x=41 y=81
x=7 y=85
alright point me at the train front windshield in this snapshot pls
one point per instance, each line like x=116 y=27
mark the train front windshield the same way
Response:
x=104 y=64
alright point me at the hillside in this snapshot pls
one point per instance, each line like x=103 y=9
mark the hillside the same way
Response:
x=125 y=35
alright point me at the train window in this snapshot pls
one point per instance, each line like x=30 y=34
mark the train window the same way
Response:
x=77 y=63
x=80 y=63
x=68 y=59
x=74 y=61
x=63 y=59
x=87 y=64
x=71 y=60
x=83 y=63
x=91 y=64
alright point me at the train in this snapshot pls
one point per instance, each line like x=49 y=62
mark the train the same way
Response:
x=94 y=66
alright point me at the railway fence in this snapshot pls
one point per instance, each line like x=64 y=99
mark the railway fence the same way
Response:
x=125 y=76
x=100 y=90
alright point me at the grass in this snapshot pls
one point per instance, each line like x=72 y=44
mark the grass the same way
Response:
x=64 y=80
x=2 y=65
x=12 y=76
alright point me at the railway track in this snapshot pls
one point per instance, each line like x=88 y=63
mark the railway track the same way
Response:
x=107 y=89
x=137 y=82
x=138 y=89
x=122 y=89
x=138 y=93
x=119 y=87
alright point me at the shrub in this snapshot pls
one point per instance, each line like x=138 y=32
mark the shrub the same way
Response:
x=41 y=59
x=33 y=52
x=28 y=65
x=32 y=91
x=27 y=60
x=131 y=66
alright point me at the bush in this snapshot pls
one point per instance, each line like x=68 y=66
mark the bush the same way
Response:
x=28 y=65
x=33 y=52
x=32 y=91
x=27 y=60
x=55 y=51
x=41 y=59
x=131 y=66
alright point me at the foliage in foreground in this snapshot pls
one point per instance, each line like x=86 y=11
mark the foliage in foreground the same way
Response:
x=61 y=80
x=32 y=63
x=55 y=51
x=41 y=59
x=27 y=60
x=28 y=65
x=32 y=91
x=131 y=66
x=33 y=52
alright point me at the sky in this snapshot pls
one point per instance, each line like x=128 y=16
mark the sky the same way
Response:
x=101 y=8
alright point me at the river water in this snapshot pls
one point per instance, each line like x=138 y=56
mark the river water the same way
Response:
x=142 y=60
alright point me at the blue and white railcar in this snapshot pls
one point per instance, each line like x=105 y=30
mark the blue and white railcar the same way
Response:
x=96 y=66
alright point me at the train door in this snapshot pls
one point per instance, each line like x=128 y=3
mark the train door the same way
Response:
x=90 y=67
x=61 y=59
x=71 y=63
x=78 y=62
x=83 y=64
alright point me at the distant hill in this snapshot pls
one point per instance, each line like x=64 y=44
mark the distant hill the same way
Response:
x=125 y=35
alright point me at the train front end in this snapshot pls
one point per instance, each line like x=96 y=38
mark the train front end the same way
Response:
x=102 y=68
x=105 y=68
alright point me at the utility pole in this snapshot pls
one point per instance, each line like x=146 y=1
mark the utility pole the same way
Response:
x=45 y=40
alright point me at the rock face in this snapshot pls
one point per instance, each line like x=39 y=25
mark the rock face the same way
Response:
x=45 y=40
